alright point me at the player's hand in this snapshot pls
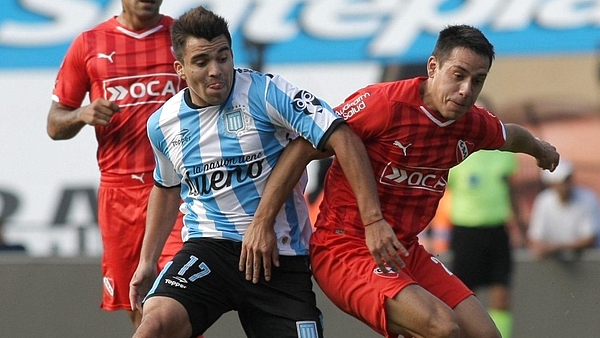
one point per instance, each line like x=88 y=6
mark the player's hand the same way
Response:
x=140 y=284
x=99 y=112
x=385 y=246
x=549 y=156
x=259 y=249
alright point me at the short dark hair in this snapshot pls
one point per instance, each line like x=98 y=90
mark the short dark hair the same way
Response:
x=200 y=23
x=462 y=36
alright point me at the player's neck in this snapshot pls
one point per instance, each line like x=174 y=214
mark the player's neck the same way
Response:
x=427 y=98
x=136 y=23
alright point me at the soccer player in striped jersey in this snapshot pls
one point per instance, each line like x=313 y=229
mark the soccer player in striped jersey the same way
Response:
x=414 y=130
x=125 y=64
x=216 y=143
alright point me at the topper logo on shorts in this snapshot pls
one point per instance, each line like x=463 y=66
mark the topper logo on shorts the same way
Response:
x=181 y=279
x=175 y=284
x=307 y=103
x=135 y=90
x=390 y=273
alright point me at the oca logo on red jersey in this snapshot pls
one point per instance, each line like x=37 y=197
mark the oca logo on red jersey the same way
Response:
x=390 y=273
x=141 y=89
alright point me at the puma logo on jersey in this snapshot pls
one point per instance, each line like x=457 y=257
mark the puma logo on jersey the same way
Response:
x=107 y=56
x=401 y=146
x=138 y=177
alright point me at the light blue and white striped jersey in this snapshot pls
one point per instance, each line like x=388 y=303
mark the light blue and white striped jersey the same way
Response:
x=223 y=155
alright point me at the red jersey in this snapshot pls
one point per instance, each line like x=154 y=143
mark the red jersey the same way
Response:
x=411 y=150
x=132 y=68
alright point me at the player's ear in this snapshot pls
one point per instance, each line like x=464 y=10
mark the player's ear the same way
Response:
x=179 y=69
x=432 y=65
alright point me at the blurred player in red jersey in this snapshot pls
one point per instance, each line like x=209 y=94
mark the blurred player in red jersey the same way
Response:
x=414 y=130
x=126 y=66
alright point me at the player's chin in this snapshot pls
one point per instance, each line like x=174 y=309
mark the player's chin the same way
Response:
x=149 y=5
x=453 y=114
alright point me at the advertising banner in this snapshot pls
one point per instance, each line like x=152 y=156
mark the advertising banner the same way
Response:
x=36 y=33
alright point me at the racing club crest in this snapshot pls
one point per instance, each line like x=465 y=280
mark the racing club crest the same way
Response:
x=234 y=121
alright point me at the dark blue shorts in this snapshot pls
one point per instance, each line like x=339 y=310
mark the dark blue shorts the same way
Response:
x=204 y=277
x=481 y=255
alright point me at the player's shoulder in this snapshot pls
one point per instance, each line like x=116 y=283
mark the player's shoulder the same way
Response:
x=251 y=73
x=481 y=111
x=247 y=72
x=479 y=116
x=371 y=91
x=106 y=25
x=167 y=18
x=81 y=42
x=167 y=21
x=405 y=91
x=246 y=76
x=171 y=107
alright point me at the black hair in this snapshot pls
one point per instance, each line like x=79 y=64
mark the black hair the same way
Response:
x=464 y=36
x=200 y=23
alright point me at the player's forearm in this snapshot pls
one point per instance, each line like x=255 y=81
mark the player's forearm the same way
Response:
x=520 y=140
x=283 y=178
x=352 y=155
x=163 y=208
x=63 y=123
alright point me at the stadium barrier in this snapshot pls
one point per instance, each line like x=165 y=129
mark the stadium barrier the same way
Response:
x=60 y=297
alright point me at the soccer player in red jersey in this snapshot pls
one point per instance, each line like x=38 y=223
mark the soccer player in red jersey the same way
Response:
x=126 y=66
x=414 y=130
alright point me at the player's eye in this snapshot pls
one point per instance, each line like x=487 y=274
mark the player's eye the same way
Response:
x=223 y=58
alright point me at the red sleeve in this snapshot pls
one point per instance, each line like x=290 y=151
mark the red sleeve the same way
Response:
x=367 y=111
x=495 y=134
x=73 y=82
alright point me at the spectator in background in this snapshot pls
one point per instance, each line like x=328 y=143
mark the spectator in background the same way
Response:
x=482 y=204
x=131 y=51
x=565 y=218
